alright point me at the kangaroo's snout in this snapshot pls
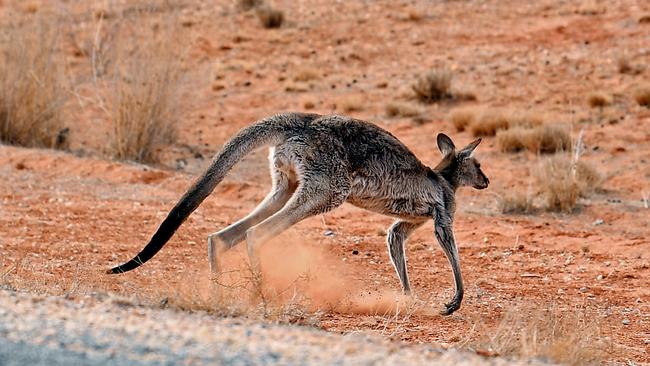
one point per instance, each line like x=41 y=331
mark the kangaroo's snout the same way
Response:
x=484 y=184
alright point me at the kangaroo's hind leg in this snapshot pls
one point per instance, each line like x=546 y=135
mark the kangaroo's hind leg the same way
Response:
x=283 y=187
x=312 y=197
x=397 y=235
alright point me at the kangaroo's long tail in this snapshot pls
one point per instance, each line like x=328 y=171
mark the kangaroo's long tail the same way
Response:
x=266 y=132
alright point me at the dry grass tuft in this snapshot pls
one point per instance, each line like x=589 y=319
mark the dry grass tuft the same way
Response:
x=309 y=104
x=516 y=202
x=143 y=107
x=305 y=74
x=523 y=119
x=249 y=4
x=270 y=17
x=351 y=104
x=433 y=86
x=598 y=100
x=414 y=15
x=489 y=122
x=546 y=139
x=565 y=336
x=562 y=181
x=513 y=140
x=642 y=96
x=31 y=90
x=395 y=109
x=462 y=118
x=624 y=66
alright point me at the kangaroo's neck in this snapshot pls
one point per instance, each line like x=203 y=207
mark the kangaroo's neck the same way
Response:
x=448 y=169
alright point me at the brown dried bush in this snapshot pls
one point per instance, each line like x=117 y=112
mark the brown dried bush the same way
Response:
x=32 y=93
x=249 y=4
x=143 y=107
x=642 y=96
x=353 y=103
x=542 y=139
x=598 y=100
x=395 y=109
x=562 y=181
x=270 y=17
x=462 y=118
x=433 y=86
x=304 y=74
x=489 y=122
x=566 y=336
x=516 y=202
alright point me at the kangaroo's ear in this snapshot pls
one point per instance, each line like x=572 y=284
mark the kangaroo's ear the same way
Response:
x=467 y=151
x=445 y=144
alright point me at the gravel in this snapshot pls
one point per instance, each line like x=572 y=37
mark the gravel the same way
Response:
x=39 y=330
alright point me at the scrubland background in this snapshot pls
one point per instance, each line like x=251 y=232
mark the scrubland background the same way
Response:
x=109 y=110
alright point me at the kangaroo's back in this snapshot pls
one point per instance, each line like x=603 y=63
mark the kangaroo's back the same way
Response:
x=367 y=146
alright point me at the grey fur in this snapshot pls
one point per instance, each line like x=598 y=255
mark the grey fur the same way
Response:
x=318 y=163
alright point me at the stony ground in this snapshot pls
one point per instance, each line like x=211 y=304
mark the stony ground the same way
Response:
x=40 y=330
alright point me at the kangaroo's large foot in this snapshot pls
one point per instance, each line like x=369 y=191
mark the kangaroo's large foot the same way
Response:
x=450 y=307
x=216 y=247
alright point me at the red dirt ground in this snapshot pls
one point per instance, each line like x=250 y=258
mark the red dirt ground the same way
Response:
x=65 y=218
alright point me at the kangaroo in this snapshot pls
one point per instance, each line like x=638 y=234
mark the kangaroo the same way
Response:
x=319 y=162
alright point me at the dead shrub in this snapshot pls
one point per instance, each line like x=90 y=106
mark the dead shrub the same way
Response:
x=545 y=139
x=642 y=96
x=249 y=4
x=394 y=109
x=305 y=74
x=308 y=104
x=549 y=139
x=489 y=122
x=414 y=15
x=565 y=336
x=32 y=93
x=351 y=104
x=513 y=140
x=433 y=86
x=523 y=119
x=462 y=118
x=598 y=100
x=516 y=202
x=562 y=181
x=270 y=17
x=143 y=108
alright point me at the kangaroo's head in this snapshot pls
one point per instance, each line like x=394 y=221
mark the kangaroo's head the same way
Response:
x=460 y=168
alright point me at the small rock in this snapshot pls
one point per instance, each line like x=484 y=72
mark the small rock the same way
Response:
x=329 y=233
x=355 y=252
x=626 y=321
x=598 y=222
x=583 y=289
x=600 y=277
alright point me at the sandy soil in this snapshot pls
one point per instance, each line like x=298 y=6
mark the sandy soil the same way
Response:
x=66 y=217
